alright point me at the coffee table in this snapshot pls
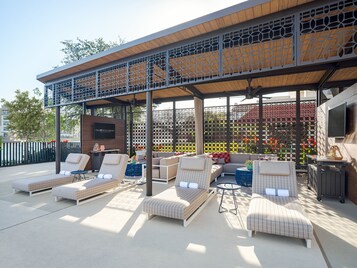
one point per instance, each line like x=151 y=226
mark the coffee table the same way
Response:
x=228 y=187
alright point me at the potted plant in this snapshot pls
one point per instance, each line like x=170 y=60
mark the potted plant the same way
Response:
x=249 y=164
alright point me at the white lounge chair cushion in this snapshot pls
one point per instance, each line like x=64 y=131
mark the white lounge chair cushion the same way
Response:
x=193 y=163
x=274 y=168
x=65 y=172
x=270 y=191
x=74 y=158
x=283 y=192
x=191 y=185
x=111 y=159
x=105 y=176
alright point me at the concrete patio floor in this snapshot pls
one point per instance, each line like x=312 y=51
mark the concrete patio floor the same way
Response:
x=113 y=232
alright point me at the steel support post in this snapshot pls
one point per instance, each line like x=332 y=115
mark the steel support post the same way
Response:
x=84 y=108
x=131 y=119
x=228 y=125
x=174 y=136
x=260 y=125
x=298 y=129
x=149 y=137
x=125 y=130
x=58 y=139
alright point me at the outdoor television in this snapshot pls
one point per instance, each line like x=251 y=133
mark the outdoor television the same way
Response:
x=104 y=131
x=337 y=121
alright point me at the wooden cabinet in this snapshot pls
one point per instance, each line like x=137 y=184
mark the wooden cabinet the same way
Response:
x=327 y=177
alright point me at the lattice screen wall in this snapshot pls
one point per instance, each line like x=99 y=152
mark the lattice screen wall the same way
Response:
x=279 y=129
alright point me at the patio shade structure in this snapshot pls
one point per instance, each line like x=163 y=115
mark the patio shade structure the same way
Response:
x=276 y=45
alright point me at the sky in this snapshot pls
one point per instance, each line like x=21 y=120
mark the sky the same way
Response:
x=31 y=31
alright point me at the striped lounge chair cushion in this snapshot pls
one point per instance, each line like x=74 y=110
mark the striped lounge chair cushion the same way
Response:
x=278 y=215
x=84 y=189
x=175 y=202
x=42 y=182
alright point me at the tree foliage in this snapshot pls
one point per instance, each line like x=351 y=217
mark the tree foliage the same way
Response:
x=81 y=48
x=25 y=115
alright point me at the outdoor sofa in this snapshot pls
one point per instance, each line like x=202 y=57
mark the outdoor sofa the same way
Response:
x=110 y=176
x=44 y=183
x=181 y=201
x=274 y=207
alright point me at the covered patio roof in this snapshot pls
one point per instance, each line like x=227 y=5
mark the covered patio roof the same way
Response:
x=280 y=45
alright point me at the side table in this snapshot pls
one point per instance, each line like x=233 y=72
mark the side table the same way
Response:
x=244 y=176
x=79 y=175
x=228 y=187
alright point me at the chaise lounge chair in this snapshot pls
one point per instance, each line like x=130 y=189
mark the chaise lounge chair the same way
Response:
x=42 y=184
x=181 y=202
x=274 y=207
x=113 y=165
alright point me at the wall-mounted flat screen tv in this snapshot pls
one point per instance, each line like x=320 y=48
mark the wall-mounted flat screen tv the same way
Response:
x=337 y=121
x=104 y=131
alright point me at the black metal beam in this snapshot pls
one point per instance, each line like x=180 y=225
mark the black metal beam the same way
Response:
x=327 y=75
x=131 y=130
x=116 y=101
x=298 y=130
x=228 y=126
x=194 y=91
x=260 y=125
x=149 y=135
x=174 y=136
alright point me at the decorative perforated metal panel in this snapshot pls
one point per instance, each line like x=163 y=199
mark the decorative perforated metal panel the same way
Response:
x=279 y=129
x=260 y=47
x=215 y=129
x=244 y=125
x=329 y=32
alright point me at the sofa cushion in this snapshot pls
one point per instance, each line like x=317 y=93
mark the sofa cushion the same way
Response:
x=224 y=155
x=232 y=167
x=74 y=158
x=274 y=168
x=193 y=163
x=156 y=162
x=239 y=158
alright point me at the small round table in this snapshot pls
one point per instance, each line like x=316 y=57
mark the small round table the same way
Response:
x=79 y=175
x=228 y=187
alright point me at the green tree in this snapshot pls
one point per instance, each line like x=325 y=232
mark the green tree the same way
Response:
x=25 y=115
x=81 y=48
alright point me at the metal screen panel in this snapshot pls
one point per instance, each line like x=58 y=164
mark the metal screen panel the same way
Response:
x=279 y=130
x=84 y=87
x=244 y=126
x=329 y=32
x=112 y=81
x=215 y=129
x=256 y=48
x=63 y=92
x=308 y=130
x=194 y=62
x=137 y=76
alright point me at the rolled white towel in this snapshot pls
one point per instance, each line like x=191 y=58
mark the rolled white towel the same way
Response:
x=107 y=176
x=193 y=185
x=67 y=173
x=270 y=191
x=283 y=192
x=62 y=172
x=100 y=176
x=183 y=184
